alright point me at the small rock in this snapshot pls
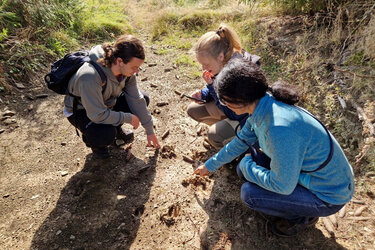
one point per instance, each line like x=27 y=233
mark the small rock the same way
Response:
x=64 y=173
x=20 y=85
x=31 y=107
x=161 y=104
x=30 y=97
x=174 y=66
x=119 y=142
x=177 y=77
x=10 y=121
x=34 y=197
x=152 y=64
x=41 y=96
x=2 y=131
x=157 y=111
x=6 y=195
x=58 y=232
x=144 y=79
x=120 y=197
x=63 y=143
x=72 y=237
x=167 y=69
x=153 y=85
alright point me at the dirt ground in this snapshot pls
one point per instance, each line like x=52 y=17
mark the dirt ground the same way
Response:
x=54 y=195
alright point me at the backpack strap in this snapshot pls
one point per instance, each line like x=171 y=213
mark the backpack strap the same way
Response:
x=103 y=77
x=330 y=143
x=101 y=73
x=329 y=136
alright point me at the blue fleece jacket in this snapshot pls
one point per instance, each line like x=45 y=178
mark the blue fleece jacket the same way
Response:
x=294 y=141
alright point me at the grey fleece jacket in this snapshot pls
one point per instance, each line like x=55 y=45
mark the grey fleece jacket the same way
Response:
x=87 y=84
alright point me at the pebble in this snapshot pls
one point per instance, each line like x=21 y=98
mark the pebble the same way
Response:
x=120 y=142
x=10 y=121
x=144 y=79
x=58 y=232
x=6 y=195
x=167 y=69
x=120 y=197
x=72 y=237
x=20 y=85
x=64 y=173
x=31 y=107
x=152 y=64
x=177 y=77
x=63 y=143
x=2 y=131
x=34 y=197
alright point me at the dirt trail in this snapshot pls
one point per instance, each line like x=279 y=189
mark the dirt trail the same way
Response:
x=55 y=196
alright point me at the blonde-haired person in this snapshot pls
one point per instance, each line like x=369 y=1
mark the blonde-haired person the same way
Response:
x=213 y=51
x=101 y=109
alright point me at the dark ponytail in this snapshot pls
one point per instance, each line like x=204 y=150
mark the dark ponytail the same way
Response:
x=285 y=92
x=243 y=82
x=126 y=47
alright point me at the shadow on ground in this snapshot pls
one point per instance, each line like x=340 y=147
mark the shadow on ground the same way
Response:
x=232 y=225
x=100 y=207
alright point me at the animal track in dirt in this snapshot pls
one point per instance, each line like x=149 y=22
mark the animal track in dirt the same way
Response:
x=169 y=218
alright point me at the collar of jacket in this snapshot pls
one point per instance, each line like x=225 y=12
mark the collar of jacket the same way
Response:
x=261 y=109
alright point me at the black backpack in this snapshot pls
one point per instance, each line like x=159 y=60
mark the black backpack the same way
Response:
x=63 y=69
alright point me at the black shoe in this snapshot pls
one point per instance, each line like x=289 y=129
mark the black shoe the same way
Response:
x=85 y=141
x=126 y=135
x=100 y=152
x=285 y=228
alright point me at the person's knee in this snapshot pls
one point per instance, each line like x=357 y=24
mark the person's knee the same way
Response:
x=99 y=135
x=192 y=111
x=246 y=194
x=146 y=97
x=214 y=138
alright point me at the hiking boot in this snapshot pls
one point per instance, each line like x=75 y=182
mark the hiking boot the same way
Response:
x=286 y=228
x=126 y=135
x=100 y=152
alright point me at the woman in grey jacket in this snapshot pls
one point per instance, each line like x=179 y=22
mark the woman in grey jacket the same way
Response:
x=101 y=110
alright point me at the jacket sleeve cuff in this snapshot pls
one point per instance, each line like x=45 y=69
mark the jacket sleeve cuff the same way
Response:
x=211 y=166
x=149 y=127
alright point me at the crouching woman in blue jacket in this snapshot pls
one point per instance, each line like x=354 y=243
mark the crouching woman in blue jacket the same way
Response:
x=301 y=173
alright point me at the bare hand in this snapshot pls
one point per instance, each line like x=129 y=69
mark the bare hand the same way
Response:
x=152 y=140
x=197 y=94
x=207 y=76
x=201 y=170
x=135 y=122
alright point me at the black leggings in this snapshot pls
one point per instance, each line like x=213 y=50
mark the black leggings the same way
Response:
x=100 y=135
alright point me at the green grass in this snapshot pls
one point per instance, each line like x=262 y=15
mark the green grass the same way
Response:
x=38 y=31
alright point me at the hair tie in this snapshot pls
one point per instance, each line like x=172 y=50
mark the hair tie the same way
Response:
x=220 y=32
